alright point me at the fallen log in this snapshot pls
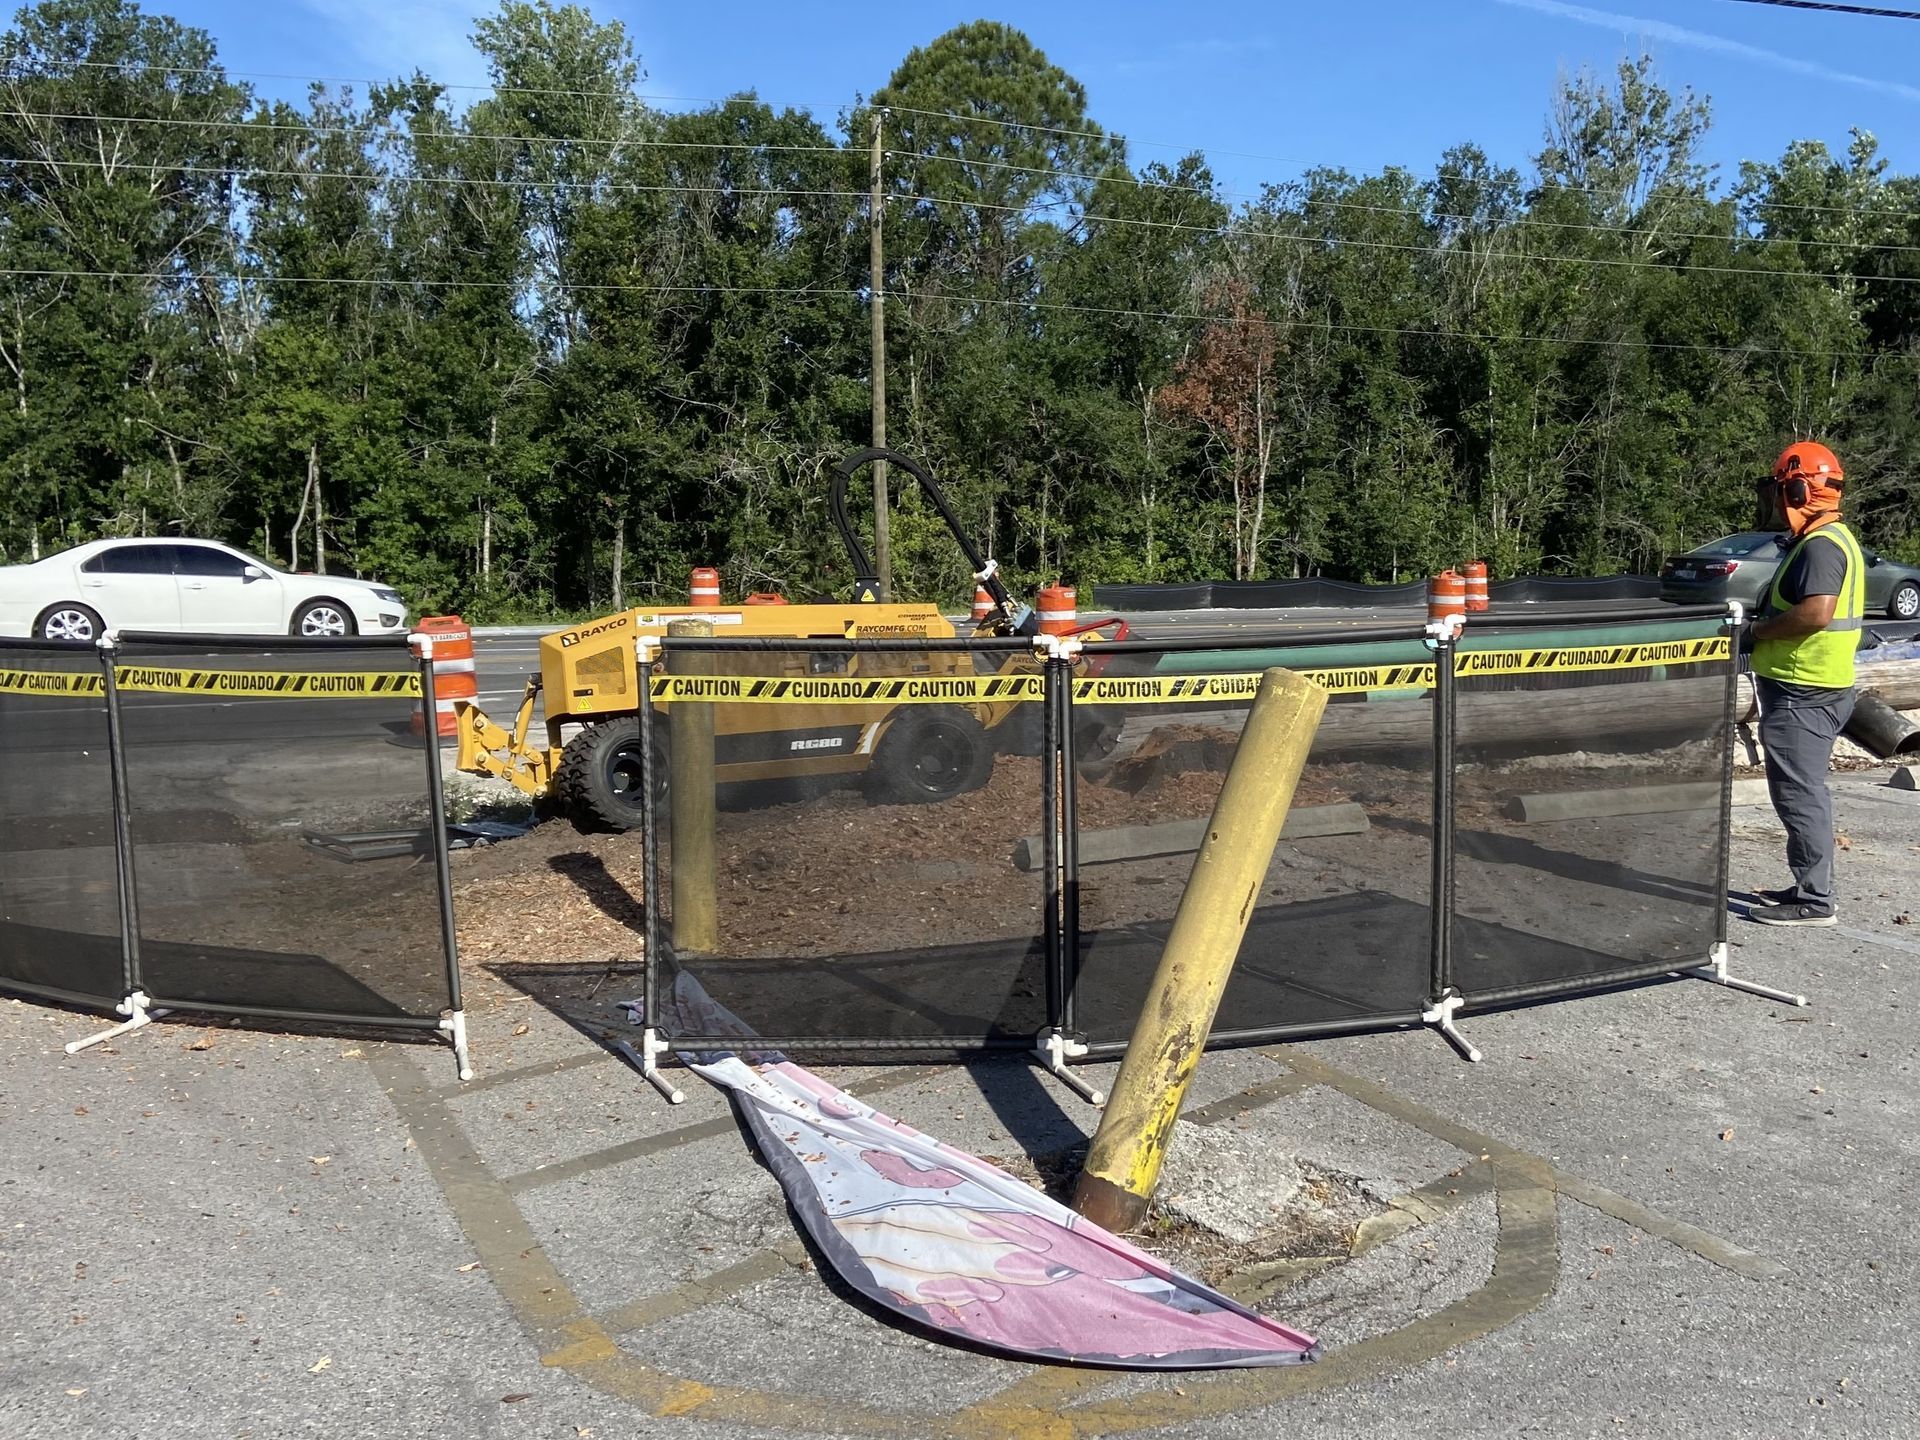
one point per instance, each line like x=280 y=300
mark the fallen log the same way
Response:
x=1183 y=837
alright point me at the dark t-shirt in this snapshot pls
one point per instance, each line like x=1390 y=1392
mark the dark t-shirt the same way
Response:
x=1819 y=569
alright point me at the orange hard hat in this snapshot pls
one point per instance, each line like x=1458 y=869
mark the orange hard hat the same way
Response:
x=1811 y=461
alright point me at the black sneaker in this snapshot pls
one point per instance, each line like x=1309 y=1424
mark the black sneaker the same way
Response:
x=1792 y=915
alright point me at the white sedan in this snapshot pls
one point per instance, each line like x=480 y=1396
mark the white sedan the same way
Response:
x=195 y=587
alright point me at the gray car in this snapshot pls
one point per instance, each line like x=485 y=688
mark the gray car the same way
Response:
x=1740 y=567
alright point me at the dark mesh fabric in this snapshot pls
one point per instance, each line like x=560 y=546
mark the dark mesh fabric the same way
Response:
x=865 y=876
x=1588 y=829
x=1342 y=930
x=59 y=886
x=281 y=829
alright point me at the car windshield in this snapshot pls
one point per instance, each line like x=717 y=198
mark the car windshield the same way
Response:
x=1750 y=543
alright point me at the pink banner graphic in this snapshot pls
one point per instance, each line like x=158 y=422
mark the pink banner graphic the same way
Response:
x=944 y=1239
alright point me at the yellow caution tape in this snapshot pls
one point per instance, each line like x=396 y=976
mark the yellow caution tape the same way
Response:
x=894 y=690
x=1225 y=687
x=1592 y=657
x=243 y=684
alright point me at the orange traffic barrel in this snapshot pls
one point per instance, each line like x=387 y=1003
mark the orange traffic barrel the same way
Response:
x=1446 y=595
x=454 y=678
x=766 y=597
x=1058 y=612
x=1476 y=586
x=705 y=588
x=982 y=603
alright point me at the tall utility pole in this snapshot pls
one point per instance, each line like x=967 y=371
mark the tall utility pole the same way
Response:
x=876 y=264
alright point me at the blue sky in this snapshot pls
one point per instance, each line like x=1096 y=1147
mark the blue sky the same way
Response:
x=1264 y=88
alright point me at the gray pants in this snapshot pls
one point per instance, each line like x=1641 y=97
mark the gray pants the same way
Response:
x=1799 y=737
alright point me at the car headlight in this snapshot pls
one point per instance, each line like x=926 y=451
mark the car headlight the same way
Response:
x=392 y=597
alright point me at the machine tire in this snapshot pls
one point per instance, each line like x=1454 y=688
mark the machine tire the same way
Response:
x=597 y=783
x=1904 y=603
x=73 y=620
x=929 y=755
x=312 y=608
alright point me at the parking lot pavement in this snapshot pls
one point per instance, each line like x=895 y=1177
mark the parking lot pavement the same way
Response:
x=1671 y=1211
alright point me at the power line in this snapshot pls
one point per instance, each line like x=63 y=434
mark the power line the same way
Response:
x=1878 y=11
x=647 y=142
x=1231 y=229
x=637 y=142
x=1111 y=311
x=1344 y=241
x=376 y=178
x=1636 y=231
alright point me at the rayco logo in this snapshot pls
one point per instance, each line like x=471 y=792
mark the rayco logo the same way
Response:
x=574 y=637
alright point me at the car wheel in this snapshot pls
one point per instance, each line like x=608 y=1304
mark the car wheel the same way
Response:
x=322 y=619
x=1905 y=602
x=70 y=621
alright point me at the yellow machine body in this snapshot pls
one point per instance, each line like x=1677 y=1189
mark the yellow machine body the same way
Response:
x=590 y=674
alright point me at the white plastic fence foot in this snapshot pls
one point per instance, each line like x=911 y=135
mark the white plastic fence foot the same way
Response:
x=1715 y=970
x=1053 y=1050
x=1440 y=1016
x=453 y=1025
x=647 y=1058
x=134 y=1007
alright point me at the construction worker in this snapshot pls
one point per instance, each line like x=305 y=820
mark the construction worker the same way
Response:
x=1806 y=628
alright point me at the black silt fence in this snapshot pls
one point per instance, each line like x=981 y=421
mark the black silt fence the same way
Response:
x=238 y=826
x=883 y=837
x=62 y=911
x=1530 y=811
x=286 y=838
x=1589 y=827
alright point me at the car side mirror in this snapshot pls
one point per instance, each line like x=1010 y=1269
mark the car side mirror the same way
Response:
x=252 y=572
x=1873 y=560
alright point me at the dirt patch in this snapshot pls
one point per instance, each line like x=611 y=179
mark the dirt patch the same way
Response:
x=1319 y=1221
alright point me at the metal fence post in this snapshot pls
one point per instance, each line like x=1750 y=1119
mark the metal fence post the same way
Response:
x=134 y=1006
x=453 y=1024
x=1059 y=1042
x=1445 y=999
x=653 y=1042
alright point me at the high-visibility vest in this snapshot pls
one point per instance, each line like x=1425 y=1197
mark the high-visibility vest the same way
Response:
x=1824 y=658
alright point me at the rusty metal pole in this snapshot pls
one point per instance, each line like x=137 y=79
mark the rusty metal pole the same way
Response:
x=1123 y=1163
x=690 y=800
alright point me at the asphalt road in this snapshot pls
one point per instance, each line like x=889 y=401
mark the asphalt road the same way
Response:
x=1705 y=1228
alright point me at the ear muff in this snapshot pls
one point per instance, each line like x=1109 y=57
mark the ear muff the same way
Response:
x=1794 y=492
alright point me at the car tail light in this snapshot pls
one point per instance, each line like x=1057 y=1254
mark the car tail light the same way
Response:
x=1720 y=567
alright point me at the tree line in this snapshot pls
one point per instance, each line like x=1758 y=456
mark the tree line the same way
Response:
x=541 y=350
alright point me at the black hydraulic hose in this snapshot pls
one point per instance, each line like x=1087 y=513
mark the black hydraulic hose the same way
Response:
x=863 y=572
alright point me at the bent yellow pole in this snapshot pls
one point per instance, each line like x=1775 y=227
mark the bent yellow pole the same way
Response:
x=1123 y=1164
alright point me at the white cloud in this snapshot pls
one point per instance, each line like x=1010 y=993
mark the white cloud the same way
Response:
x=393 y=38
x=1634 y=25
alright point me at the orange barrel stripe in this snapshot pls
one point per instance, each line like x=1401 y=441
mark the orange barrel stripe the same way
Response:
x=982 y=603
x=1446 y=595
x=454 y=677
x=1476 y=585
x=1057 y=609
x=705 y=587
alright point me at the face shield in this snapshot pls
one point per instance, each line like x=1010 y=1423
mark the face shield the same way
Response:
x=1769 y=506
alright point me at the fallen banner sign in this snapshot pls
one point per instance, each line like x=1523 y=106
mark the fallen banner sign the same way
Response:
x=945 y=1240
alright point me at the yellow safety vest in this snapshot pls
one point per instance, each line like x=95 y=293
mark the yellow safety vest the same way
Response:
x=1824 y=658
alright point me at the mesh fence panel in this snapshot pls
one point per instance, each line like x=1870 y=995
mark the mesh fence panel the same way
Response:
x=59 y=883
x=1588 y=823
x=869 y=808
x=1342 y=933
x=281 y=826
